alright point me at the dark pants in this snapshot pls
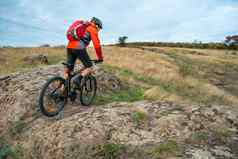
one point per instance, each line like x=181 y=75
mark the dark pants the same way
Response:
x=73 y=54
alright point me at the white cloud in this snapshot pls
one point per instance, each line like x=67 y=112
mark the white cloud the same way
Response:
x=155 y=20
x=217 y=24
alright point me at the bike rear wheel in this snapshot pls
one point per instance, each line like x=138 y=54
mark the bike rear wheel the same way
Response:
x=88 y=90
x=52 y=98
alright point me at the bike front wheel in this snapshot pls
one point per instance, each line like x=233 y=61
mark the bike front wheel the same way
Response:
x=88 y=88
x=53 y=97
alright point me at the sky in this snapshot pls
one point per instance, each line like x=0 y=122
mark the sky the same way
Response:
x=36 y=22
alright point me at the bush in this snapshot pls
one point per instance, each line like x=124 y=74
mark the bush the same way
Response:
x=122 y=40
x=45 y=45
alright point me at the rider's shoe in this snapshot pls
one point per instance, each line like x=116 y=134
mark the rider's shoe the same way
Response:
x=72 y=95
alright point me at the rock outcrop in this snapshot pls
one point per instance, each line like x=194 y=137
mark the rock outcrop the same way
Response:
x=19 y=92
x=135 y=130
x=36 y=59
x=114 y=123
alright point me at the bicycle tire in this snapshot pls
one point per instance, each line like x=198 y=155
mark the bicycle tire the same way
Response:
x=83 y=87
x=43 y=94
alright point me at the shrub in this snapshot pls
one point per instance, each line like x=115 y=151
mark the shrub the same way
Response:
x=45 y=45
x=122 y=40
x=138 y=116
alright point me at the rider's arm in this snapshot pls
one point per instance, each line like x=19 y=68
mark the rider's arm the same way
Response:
x=96 y=44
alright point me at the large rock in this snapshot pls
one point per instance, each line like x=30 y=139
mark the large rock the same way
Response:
x=114 y=123
x=138 y=125
x=19 y=92
x=36 y=59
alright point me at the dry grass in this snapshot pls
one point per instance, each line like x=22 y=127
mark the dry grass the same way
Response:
x=14 y=57
x=182 y=74
x=139 y=61
x=177 y=74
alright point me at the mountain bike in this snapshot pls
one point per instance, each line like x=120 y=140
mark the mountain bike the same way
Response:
x=57 y=91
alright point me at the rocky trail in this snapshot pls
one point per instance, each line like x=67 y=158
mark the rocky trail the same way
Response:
x=19 y=92
x=141 y=130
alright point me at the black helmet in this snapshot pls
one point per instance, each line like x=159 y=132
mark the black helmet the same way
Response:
x=97 y=21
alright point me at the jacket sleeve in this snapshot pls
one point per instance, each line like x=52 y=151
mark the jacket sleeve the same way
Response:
x=96 y=44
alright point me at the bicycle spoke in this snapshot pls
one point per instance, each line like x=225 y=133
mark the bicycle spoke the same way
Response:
x=88 y=90
x=52 y=100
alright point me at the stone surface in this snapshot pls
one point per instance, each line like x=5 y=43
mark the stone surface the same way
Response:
x=218 y=152
x=19 y=92
x=204 y=132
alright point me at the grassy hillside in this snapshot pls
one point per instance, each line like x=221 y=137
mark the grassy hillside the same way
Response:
x=12 y=59
x=162 y=73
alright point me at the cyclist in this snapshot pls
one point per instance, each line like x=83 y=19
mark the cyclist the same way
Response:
x=76 y=49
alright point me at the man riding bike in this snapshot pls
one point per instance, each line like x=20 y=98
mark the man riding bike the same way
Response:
x=79 y=34
x=76 y=49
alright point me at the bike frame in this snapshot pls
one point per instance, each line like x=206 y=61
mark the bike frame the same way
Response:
x=68 y=81
x=69 y=85
x=71 y=75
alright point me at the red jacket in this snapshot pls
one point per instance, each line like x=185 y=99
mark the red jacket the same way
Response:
x=90 y=34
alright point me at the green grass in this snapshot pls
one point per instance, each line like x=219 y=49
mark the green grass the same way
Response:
x=138 y=116
x=125 y=73
x=105 y=150
x=121 y=72
x=223 y=134
x=186 y=65
x=56 y=59
x=166 y=149
x=181 y=88
x=193 y=93
x=216 y=136
x=186 y=69
x=111 y=150
x=126 y=95
x=19 y=151
x=16 y=128
x=6 y=150
x=198 y=138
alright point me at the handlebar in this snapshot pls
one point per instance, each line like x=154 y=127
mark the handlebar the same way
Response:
x=97 y=61
x=66 y=64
